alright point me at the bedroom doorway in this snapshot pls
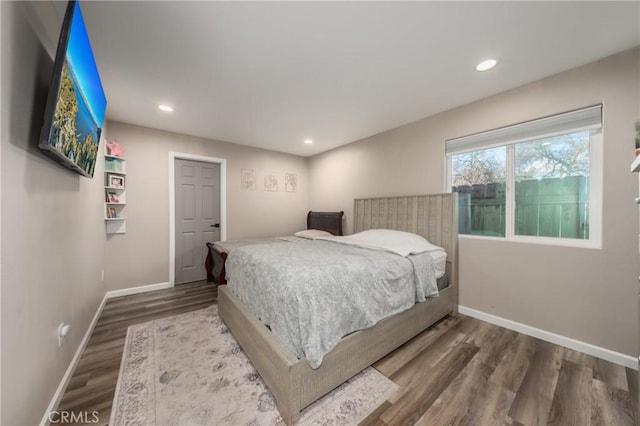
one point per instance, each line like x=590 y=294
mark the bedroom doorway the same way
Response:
x=197 y=213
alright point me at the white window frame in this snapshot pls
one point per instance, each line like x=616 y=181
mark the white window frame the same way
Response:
x=574 y=121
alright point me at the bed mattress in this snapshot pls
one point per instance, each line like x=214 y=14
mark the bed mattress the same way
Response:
x=439 y=257
x=311 y=293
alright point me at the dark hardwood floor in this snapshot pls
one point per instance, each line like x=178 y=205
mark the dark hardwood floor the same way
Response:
x=467 y=372
x=94 y=380
x=460 y=372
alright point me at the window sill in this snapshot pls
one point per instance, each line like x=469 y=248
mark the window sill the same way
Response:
x=556 y=242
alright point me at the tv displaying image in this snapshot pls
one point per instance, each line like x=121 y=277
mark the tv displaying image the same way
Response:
x=76 y=104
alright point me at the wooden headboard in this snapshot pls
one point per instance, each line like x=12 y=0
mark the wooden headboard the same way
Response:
x=325 y=221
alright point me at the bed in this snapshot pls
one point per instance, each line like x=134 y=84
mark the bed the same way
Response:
x=292 y=381
x=218 y=252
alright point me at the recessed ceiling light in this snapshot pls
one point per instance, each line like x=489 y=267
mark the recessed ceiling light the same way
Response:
x=308 y=141
x=486 y=65
x=165 y=108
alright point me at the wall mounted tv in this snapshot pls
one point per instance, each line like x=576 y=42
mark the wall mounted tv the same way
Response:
x=76 y=104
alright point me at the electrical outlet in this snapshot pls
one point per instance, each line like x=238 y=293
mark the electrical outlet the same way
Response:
x=63 y=330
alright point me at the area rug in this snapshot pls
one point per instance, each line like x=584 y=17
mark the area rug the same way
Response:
x=189 y=370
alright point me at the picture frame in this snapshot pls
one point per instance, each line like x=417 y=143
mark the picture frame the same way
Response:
x=248 y=179
x=271 y=182
x=115 y=181
x=290 y=182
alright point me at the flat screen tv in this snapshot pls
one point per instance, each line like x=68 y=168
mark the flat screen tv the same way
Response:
x=76 y=104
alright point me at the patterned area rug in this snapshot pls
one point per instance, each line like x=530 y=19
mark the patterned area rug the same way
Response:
x=189 y=370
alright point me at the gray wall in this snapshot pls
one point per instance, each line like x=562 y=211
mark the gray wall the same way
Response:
x=141 y=256
x=52 y=228
x=586 y=294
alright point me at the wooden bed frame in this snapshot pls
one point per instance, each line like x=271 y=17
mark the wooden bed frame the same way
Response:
x=292 y=381
x=214 y=265
x=216 y=259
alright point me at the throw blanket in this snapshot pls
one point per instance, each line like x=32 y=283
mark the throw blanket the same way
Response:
x=312 y=292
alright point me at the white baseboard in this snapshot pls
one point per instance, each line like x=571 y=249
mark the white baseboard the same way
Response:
x=57 y=397
x=135 y=290
x=587 y=348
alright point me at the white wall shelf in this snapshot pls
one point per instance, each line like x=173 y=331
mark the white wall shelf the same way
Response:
x=115 y=193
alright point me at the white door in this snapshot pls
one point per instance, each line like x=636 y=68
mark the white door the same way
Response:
x=197 y=198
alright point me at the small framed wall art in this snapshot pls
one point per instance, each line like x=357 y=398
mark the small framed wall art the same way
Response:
x=290 y=182
x=248 y=179
x=271 y=182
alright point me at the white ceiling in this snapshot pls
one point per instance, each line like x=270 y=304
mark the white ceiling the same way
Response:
x=272 y=74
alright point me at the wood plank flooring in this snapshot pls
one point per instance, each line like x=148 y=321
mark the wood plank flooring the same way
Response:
x=94 y=380
x=459 y=372
x=467 y=372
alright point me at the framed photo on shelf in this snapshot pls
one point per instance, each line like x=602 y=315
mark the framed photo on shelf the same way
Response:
x=115 y=181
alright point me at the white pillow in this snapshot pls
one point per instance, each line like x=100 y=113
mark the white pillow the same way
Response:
x=312 y=234
x=400 y=242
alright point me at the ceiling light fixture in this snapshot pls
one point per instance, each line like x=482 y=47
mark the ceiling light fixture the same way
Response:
x=165 y=108
x=308 y=141
x=486 y=65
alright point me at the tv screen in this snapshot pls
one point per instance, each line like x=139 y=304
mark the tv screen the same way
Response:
x=76 y=104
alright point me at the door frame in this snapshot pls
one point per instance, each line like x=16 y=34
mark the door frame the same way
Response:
x=172 y=202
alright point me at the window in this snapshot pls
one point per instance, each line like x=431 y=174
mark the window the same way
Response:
x=479 y=177
x=537 y=182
